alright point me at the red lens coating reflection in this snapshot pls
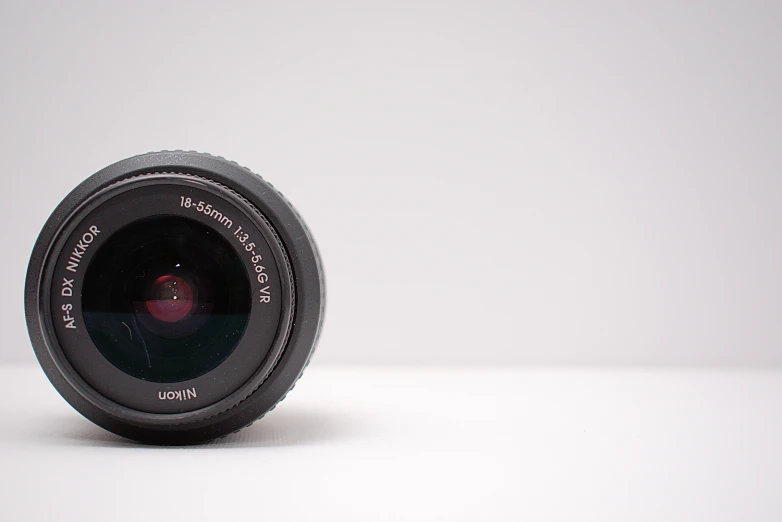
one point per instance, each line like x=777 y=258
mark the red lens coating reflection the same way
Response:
x=171 y=299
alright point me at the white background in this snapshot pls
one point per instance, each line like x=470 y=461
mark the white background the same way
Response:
x=489 y=182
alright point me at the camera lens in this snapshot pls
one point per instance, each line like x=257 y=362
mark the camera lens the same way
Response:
x=174 y=297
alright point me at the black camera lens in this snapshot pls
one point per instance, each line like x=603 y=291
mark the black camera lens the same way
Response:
x=174 y=297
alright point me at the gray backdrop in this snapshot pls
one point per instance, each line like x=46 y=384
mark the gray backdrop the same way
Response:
x=489 y=182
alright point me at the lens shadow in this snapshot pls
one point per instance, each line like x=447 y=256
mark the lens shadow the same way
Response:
x=282 y=427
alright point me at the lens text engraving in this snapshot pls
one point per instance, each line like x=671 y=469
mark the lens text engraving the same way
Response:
x=208 y=210
x=178 y=395
x=81 y=248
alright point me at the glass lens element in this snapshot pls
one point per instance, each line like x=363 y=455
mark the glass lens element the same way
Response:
x=166 y=299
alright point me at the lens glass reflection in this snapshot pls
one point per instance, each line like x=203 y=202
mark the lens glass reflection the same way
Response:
x=166 y=299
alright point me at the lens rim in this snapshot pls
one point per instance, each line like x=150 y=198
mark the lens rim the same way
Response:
x=251 y=400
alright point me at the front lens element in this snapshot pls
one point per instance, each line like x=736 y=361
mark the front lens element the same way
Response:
x=166 y=299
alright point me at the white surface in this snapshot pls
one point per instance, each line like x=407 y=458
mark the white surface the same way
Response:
x=361 y=444
x=555 y=182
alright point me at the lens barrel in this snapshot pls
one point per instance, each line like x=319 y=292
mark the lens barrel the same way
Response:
x=174 y=297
